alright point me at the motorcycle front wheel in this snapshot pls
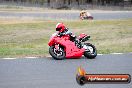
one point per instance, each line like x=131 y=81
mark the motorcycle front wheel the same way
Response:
x=57 y=54
x=91 y=51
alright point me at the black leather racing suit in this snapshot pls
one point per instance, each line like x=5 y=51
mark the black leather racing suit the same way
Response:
x=68 y=32
x=73 y=38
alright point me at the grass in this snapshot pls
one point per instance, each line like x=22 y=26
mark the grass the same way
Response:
x=18 y=7
x=30 y=38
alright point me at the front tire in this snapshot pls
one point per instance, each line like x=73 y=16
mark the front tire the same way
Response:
x=90 y=53
x=54 y=55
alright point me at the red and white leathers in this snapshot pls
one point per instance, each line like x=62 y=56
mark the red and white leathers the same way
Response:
x=62 y=30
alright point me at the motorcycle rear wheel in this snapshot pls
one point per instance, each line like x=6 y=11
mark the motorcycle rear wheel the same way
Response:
x=91 y=53
x=54 y=55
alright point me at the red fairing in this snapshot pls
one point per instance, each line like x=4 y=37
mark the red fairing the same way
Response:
x=71 y=50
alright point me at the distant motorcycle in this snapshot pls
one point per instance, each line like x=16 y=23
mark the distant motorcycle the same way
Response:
x=86 y=18
x=84 y=15
x=62 y=47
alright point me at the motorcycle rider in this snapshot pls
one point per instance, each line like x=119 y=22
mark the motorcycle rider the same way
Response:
x=62 y=30
x=85 y=14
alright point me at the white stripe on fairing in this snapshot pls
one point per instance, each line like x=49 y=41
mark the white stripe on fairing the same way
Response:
x=10 y=58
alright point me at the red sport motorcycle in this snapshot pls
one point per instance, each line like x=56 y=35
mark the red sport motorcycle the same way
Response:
x=62 y=47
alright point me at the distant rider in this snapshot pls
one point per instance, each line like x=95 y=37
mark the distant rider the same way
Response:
x=85 y=15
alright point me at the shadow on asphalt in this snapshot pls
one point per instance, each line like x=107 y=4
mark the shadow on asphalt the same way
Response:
x=50 y=58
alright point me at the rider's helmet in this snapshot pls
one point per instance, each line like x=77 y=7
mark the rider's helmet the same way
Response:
x=82 y=12
x=60 y=27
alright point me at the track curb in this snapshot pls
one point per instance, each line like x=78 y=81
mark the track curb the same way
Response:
x=8 y=58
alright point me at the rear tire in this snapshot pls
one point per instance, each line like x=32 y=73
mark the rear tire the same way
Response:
x=51 y=52
x=90 y=18
x=89 y=54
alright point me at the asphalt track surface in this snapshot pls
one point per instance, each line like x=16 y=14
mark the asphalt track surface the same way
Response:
x=68 y=16
x=49 y=73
